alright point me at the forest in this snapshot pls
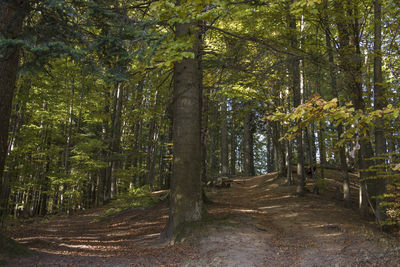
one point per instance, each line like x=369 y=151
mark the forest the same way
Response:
x=102 y=101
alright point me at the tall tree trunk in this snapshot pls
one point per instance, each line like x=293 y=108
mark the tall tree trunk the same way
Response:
x=271 y=155
x=224 y=138
x=279 y=148
x=248 y=143
x=16 y=125
x=233 y=140
x=289 y=173
x=116 y=136
x=204 y=135
x=213 y=147
x=151 y=143
x=295 y=80
x=339 y=128
x=105 y=173
x=379 y=104
x=136 y=132
x=186 y=203
x=322 y=151
x=351 y=64
x=12 y=14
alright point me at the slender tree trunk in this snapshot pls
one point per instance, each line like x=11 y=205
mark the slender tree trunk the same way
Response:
x=136 y=133
x=322 y=151
x=233 y=140
x=115 y=162
x=351 y=64
x=311 y=159
x=248 y=143
x=204 y=135
x=295 y=79
x=213 y=147
x=339 y=129
x=271 y=155
x=224 y=138
x=279 y=148
x=186 y=204
x=379 y=104
x=151 y=149
x=289 y=173
x=105 y=173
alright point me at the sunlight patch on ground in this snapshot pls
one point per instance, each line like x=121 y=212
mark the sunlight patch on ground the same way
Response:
x=79 y=246
x=246 y=210
x=289 y=215
x=251 y=187
x=277 y=198
x=270 y=207
x=142 y=224
x=330 y=234
x=152 y=235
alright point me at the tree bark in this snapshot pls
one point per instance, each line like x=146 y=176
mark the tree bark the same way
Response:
x=279 y=148
x=351 y=64
x=379 y=104
x=118 y=96
x=294 y=68
x=204 y=135
x=224 y=138
x=339 y=128
x=233 y=140
x=289 y=173
x=186 y=203
x=12 y=14
x=248 y=143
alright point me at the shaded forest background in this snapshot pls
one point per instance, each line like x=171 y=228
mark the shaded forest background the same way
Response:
x=88 y=91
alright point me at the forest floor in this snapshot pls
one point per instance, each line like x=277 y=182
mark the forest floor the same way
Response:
x=256 y=222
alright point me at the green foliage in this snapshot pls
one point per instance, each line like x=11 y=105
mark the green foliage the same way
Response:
x=356 y=122
x=136 y=197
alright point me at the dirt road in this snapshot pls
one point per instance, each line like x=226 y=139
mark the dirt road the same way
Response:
x=257 y=222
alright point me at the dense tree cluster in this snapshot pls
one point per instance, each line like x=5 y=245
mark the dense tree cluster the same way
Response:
x=98 y=98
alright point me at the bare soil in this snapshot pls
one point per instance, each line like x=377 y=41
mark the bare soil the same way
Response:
x=257 y=222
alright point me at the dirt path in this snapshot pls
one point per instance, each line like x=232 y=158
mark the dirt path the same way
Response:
x=259 y=222
x=273 y=227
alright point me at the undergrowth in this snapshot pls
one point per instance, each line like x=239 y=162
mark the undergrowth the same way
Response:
x=11 y=249
x=134 y=198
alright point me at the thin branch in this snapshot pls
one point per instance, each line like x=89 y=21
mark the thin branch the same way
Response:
x=255 y=40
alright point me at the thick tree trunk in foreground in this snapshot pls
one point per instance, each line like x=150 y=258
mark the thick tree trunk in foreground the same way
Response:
x=12 y=14
x=186 y=194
